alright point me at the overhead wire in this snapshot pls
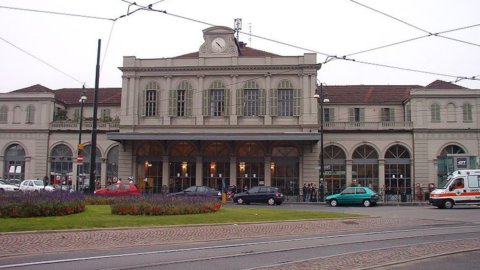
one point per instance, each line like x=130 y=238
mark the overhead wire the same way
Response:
x=59 y=13
x=41 y=60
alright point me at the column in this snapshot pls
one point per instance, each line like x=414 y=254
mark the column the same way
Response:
x=268 y=171
x=233 y=171
x=349 y=172
x=233 y=101
x=198 y=171
x=165 y=100
x=165 y=170
x=381 y=175
x=268 y=116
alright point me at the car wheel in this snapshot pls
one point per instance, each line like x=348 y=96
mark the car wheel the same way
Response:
x=271 y=201
x=333 y=203
x=239 y=201
x=448 y=204
x=367 y=203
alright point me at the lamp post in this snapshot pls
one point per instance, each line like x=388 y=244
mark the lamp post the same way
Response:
x=82 y=100
x=319 y=95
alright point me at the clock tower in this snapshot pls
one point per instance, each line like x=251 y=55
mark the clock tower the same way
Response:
x=219 y=42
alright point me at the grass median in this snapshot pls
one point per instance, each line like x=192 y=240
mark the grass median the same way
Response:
x=99 y=216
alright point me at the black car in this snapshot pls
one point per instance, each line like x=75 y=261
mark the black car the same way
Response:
x=199 y=191
x=260 y=194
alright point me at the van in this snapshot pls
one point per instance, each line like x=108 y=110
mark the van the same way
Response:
x=461 y=187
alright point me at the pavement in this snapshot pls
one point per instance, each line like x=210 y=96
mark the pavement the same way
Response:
x=36 y=242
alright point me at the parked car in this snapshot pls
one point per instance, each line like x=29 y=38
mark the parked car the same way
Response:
x=260 y=194
x=34 y=186
x=354 y=195
x=4 y=187
x=199 y=191
x=119 y=189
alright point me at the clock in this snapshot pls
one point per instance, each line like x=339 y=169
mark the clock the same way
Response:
x=218 y=45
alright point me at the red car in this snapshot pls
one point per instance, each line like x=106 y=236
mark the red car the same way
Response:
x=119 y=189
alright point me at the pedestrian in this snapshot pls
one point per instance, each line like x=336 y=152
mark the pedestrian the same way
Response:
x=309 y=194
x=304 y=192
x=147 y=186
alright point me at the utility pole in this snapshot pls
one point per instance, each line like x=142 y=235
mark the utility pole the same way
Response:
x=93 y=151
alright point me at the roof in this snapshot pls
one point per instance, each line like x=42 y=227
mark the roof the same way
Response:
x=71 y=96
x=368 y=94
x=244 y=52
x=37 y=88
x=287 y=136
x=439 y=84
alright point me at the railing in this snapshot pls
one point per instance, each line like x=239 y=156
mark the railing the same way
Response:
x=70 y=125
x=387 y=125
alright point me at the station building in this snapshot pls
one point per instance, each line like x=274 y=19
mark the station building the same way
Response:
x=231 y=115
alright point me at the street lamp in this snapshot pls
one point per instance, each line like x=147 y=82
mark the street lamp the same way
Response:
x=319 y=95
x=82 y=100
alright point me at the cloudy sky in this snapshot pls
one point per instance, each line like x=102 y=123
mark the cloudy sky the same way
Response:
x=437 y=39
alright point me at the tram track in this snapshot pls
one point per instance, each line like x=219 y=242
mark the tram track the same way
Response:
x=178 y=258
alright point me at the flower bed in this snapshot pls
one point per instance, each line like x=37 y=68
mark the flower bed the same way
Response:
x=164 y=205
x=40 y=204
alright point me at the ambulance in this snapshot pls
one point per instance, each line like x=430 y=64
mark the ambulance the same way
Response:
x=461 y=187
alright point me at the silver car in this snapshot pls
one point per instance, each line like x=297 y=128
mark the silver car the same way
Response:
x=34 y=186
x=4 y=187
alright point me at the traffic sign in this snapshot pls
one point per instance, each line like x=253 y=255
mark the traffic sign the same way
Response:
x=80 y=159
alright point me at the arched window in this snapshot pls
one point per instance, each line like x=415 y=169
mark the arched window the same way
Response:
x=150 y=100
x=216 y=100
x=14 y=162
x=30 y=114
x=216 y=165
x=112 y=164
x=149 y=165
x=180 y=100
x=451 y=112
x=251 y=99
x=285 y=100
x=334 y=170
x=182 y=166
x=251 y=165
x=397 y=172
x=365 y=166
x=61 y=163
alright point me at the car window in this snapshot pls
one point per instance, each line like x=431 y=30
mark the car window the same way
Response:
x=264 y=190
x=254 y=190
x=113 y=187
x=30 y=183
x=349 y=191
x=125 y=187
x=191 y=189
x=38 y=183
x=201 y=189
x=361 y=191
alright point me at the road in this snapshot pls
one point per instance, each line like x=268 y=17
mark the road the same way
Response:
x=394 y=238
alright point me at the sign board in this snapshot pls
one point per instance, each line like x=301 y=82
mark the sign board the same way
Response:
x=80 y=159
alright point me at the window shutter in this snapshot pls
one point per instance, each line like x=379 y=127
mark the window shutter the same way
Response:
x=227 y=102
x=362 y=114
x=392 y=114
x=351 y=115
x=240 y=102
x=383 y=116
x=273 y=102
x=261 y=102
x=189 y=96
x=172 y=103
x=143 y=100
x=157 y=103
x=206 y=102
x=297 y=104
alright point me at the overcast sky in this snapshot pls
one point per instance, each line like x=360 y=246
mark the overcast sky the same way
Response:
x=67 y=45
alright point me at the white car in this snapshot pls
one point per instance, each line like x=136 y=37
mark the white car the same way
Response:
x=4 y=187
x=34 y=185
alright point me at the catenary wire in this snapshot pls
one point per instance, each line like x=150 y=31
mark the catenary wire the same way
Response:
x=41 y=60
x=413 y=26
x=58 y=13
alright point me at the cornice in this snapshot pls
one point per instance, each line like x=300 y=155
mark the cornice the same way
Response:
x=293 y=68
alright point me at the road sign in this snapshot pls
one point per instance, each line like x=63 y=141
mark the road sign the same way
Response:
x=80 y=159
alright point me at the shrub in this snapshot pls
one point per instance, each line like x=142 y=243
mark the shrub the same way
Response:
x=39 y=204
x=158 y=204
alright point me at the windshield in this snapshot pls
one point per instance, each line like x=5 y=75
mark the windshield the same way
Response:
x=445 y=183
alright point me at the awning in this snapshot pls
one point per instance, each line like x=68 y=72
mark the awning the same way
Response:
x=186 y=136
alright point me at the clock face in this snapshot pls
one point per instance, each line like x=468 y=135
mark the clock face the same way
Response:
x=219 y=45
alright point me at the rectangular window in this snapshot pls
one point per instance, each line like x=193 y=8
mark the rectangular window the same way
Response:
x=76 y=115
x=181 y=102
x=409 y=113
x=250 y=102
x=435 y=111
x=387 y=115
x=105 y=115
x=327 y=115
x=150 y=103
x=285 y=102
x=3 y=114
x=217 y=102
x=467 y=113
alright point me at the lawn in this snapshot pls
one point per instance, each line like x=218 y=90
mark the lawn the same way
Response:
x=99 y=216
